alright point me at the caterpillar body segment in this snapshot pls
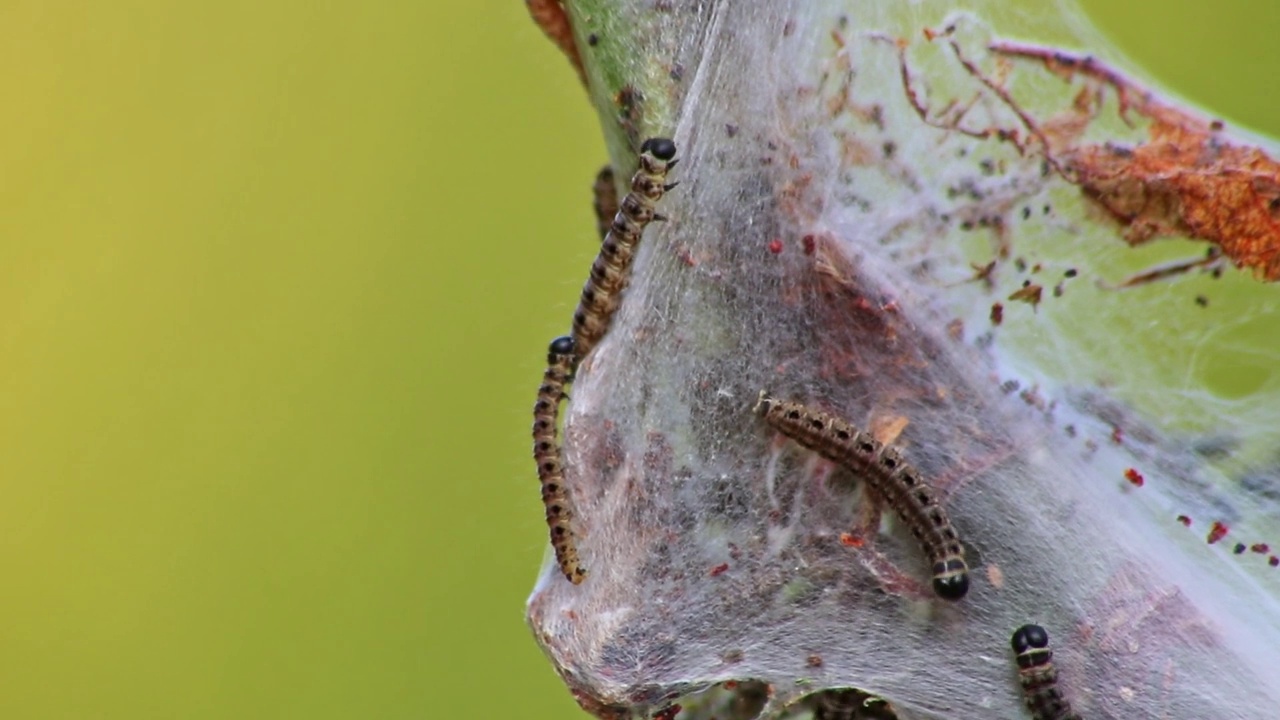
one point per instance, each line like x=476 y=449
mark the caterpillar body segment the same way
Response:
x=546 y=453
x=888 y=475
x=917 y=503
x=612 y=267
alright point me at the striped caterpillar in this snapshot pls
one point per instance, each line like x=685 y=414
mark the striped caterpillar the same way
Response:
x=888 y=475
x=1038 y=676
x=609 y=272
x=546 y=453
x=604 y=195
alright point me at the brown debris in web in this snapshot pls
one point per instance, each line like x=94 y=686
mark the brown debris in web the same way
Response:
x=550 y=15
x=1182 y=183
x=1186 y=179
x=1029 y=293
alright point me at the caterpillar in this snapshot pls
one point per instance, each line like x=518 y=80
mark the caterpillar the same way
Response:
x=609 y=272
x=888 y=474
x=546 y=453
x=605 y=200
x=1038 y=676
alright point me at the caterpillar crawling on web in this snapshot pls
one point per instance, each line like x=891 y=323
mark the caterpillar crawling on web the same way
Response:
x=612 y=267
x=1038 y=676
x=609 y=274
x=888 y=475
x=546 y=453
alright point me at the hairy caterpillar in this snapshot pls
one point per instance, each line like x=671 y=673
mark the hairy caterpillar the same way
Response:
x=609 y=272
x=1038 y=676
x=888 y=475
x=546 y=453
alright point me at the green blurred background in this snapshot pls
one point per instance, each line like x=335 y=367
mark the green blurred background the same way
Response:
x=275 y=285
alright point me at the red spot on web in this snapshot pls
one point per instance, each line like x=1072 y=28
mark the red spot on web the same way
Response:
x=1273 y=561
x=1216 y=532
x=1117 y=434
x=730 y=684
x=1186 y=521
x=1260 y=548
x=850 y=540
x=775 y=246
x=1134 y=477
x=686 y=256
x=719 y=569
x=809 y=244
x=1239 y=548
